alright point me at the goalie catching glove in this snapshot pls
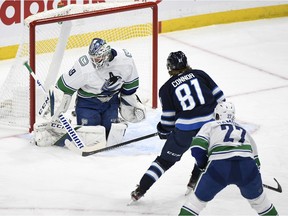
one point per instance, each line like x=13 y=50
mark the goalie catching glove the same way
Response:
x=131 y=109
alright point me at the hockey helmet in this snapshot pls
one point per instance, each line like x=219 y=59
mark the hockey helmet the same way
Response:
x=224 y=110
x=176 y=61
x=99 y=52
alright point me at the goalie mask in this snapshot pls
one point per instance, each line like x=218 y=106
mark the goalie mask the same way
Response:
x=224 y=110
x=176 y=63
x=99 y=52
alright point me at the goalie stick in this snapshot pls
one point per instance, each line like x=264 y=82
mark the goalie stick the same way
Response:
x=277 y=189
x=52 y=102
x=88 y=151
x=39 y=84
x=70 y=130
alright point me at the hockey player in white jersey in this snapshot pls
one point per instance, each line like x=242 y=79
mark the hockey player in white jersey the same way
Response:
x=227 y=154
x=105 y=79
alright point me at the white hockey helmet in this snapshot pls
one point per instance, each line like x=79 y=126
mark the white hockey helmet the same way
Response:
x=99 y=52
x=224 y=110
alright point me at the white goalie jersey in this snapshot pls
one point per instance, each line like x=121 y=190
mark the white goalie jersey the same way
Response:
x=120 y=74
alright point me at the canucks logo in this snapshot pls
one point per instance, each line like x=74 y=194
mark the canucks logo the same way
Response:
x=112 y=84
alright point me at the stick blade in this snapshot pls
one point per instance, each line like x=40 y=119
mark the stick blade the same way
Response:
x=279 y=188
x=85 y=151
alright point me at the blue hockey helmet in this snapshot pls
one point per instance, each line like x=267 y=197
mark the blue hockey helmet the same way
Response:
x=99 y=52
x=224 y=110
x=176 y=61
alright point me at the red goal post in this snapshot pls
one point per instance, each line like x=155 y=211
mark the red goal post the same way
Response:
x=47 y=67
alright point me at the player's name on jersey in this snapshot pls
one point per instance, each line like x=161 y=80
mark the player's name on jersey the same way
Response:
x=225 y=122
x=182 y=79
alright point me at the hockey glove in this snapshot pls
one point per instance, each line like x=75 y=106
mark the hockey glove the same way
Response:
x=131 y=108
x=162 y=132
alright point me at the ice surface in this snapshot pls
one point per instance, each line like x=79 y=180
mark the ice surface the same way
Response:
x=248 y=60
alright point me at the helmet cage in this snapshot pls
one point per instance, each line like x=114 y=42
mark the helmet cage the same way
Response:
x=99 y=52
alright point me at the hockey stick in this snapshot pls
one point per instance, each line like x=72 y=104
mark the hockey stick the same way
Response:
x=38 y=82
x=88 y=151
x=70 y=130
x=84 y=154
x=277 y=189
x=52 y=102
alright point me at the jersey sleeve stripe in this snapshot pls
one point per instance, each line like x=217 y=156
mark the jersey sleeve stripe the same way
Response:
x=128 y=86
x=64 y=87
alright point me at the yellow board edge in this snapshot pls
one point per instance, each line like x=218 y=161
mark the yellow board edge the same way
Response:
x=177 y=24
x=224 y=18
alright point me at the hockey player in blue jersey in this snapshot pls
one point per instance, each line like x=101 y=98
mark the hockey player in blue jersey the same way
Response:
x=227 y=154
x=188 y=100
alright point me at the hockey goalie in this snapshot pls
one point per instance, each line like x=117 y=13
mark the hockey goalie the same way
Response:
x=105 y=80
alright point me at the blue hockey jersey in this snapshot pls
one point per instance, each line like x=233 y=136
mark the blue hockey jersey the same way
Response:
x=188 y=100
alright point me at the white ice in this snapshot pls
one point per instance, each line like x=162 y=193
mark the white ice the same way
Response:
x=248 y=60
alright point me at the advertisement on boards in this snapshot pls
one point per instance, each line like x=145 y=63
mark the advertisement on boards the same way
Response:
x=13 y=13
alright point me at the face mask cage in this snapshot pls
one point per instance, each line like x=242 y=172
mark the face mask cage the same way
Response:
x=100 y=56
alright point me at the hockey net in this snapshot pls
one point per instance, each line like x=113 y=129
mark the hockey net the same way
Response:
x=55 y=39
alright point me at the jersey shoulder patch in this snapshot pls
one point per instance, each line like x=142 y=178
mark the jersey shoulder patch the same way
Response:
x=83 y=60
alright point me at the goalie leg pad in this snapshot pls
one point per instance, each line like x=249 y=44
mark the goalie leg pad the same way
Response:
x=46 y=133
x=116 y=133
x=93 y=135
x=51 y=133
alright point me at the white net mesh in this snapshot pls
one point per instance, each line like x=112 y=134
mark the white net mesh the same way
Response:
x=58 y=45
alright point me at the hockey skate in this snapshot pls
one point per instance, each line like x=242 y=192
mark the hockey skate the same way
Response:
x=136 y=194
